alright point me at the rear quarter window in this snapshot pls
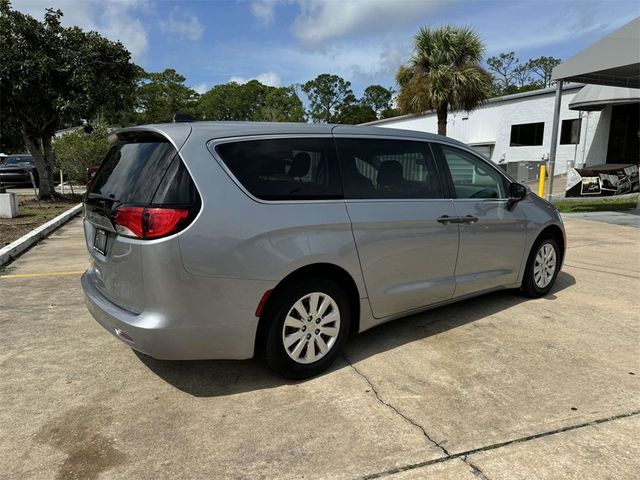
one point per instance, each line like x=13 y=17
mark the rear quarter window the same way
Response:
x=285 y=169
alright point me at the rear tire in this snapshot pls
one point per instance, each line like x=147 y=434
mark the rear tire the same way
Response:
x=542 y=268
x=310 y=321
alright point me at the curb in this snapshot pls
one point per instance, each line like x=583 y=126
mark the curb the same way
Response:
x=11 y=251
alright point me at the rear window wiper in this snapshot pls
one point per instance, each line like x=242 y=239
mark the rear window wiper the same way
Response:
x=98 y=196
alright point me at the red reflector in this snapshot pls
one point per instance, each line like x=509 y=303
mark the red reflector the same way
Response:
x=128 y=221
x=262 y=303
x=163 y=221
x=141 y=222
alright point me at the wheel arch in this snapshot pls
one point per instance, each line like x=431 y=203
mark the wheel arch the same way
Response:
x=555 y=232
x=324 y=270
x=549 y=231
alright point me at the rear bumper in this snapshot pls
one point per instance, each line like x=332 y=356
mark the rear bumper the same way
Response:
x=165 y=337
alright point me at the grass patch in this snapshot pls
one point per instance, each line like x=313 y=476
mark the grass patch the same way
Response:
x=31 y=215
x=608 y=205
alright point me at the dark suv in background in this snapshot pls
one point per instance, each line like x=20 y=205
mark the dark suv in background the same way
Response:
x=16 y=169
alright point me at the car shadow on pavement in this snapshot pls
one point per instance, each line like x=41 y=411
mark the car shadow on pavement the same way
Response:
x=212 y=378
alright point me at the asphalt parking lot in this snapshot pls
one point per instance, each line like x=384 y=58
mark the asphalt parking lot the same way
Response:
x=493 y=388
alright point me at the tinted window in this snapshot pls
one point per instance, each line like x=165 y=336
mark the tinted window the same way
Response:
x=285 y=169
x=132 y=171
x=176 y=187
x=378 y=168
x=472 y=177
x=570 y=132
x=527 y=134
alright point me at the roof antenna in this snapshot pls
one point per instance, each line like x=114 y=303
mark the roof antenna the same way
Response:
x=183 y=117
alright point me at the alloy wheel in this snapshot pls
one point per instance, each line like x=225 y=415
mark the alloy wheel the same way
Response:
x=311 y=328
x=545 y=265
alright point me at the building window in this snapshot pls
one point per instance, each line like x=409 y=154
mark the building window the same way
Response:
x=527 y=134
x=570 y=132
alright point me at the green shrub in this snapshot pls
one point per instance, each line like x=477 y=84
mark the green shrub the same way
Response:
x=76 y=151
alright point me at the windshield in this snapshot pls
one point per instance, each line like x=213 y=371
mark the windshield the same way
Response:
x=18 y=160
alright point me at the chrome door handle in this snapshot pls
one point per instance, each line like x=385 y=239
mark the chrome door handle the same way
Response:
x=470 y=219
x=446 y=219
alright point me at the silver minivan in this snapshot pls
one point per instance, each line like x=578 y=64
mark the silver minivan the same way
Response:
x=231 y=239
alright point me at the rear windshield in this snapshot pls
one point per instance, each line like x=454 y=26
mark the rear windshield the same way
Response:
x=132 y=170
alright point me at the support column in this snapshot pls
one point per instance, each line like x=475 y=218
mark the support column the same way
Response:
x=554 y=137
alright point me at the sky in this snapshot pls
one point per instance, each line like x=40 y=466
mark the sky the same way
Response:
x=283 y=42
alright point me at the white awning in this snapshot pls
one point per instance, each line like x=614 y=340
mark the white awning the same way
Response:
x=614 y=60
x=596 y=97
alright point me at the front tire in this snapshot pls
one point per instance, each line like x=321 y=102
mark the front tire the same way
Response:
x=542 y=268
x=309 y=325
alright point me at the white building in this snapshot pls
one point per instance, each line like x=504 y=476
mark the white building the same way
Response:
x=516 y=129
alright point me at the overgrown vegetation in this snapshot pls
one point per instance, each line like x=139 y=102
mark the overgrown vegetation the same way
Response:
x=78 y=150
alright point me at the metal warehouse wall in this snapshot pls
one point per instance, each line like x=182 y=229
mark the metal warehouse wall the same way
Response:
x=491 y=124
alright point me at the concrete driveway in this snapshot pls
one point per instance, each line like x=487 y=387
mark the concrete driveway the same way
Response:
x=492 y=388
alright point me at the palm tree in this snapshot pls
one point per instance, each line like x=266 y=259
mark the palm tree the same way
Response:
x=444 y=73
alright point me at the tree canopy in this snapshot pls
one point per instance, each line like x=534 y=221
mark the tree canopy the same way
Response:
x=251 y=101
x=52 y=76
x=511 y=76
x=159 y=96
x=328 y=96
x=444 y=73
x=379 y=99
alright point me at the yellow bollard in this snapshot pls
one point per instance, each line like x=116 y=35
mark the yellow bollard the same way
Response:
x=543 y=177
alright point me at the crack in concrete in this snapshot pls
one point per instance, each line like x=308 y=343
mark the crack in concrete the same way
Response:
x=476 y=470
x=634 y=277
x=398 y=412
x=464 y=455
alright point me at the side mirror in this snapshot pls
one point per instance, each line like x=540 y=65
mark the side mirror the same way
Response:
x=517 y=192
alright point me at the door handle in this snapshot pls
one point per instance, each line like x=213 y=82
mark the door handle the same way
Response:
x=470 y=219
x=446 y=219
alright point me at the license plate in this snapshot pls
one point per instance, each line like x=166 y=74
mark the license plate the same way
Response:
x=100 y=242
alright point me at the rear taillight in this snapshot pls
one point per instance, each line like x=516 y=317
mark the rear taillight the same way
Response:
x=128 y=221
x=163 y=221
x=148 y=222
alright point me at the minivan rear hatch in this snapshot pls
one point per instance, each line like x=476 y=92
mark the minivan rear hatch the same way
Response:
x=141 y=192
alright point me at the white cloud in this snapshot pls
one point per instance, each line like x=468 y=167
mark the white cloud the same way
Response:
x=268 y=78
x=551 y=27
x=201 y=88
x=322 y=20
x=263 y=10
x=115 y=19
x=184 y=25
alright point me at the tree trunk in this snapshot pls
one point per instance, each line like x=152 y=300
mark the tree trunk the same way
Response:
x=42 y=151
x=442 y=120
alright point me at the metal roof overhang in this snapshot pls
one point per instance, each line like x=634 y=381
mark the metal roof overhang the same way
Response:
x=614 y=60
x=596 y=97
